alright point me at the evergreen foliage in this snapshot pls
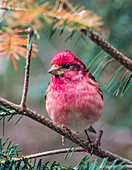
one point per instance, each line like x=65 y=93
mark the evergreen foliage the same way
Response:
x=10 y=159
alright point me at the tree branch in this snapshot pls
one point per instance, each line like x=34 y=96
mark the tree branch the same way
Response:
x=54 y=152
x=109 y=49
x=45 y=121
x=27 y=69
x=47 y=153
x=104 y=45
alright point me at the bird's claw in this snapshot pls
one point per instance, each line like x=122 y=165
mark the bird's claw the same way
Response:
x=97 y=142
x=91 y=145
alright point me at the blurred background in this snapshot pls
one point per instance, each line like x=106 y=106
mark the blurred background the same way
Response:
x=116 y=121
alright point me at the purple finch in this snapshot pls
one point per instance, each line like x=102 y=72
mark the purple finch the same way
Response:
x=73 y=97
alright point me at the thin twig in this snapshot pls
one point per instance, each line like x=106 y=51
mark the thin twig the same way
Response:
x=47 y=153
x=27 y=69
x=54 y=152
x=11 y=9
x=45 y=121
x=104 y=45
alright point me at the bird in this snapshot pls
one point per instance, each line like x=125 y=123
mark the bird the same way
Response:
x=73 y=97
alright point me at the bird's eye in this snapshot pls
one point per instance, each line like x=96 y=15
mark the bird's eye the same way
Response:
x=67 y=65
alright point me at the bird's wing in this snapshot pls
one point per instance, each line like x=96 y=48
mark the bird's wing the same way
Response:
x=48 y=89
x=93 y=82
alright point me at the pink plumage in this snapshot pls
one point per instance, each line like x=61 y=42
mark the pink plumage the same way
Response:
x=73 y=97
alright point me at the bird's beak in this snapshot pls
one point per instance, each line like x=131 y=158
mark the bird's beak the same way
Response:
x=56 y=70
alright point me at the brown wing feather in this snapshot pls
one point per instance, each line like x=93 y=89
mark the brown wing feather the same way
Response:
x=92 y=81
x=48 y=89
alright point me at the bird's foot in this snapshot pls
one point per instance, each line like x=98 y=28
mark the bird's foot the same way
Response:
x=68 y=131
x=96 y=143
x=89 y=142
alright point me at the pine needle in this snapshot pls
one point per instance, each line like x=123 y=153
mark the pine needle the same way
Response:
x=106 y=86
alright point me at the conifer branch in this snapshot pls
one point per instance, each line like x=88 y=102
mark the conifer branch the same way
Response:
x=104 y=45
x=109 y=49
x=46 y=122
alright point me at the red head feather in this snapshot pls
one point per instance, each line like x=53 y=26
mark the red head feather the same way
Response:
x=64 y=57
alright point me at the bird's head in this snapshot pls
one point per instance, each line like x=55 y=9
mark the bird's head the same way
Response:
x=64 y=62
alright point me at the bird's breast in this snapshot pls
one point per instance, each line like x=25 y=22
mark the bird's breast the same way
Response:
x=74 y=105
